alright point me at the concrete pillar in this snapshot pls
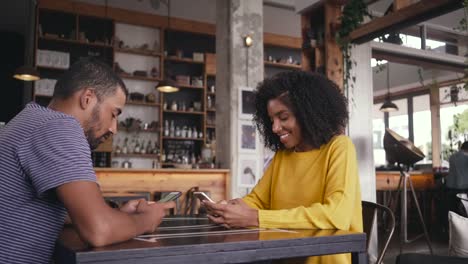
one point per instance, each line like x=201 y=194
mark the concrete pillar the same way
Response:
x=360 y=100
x=237 y=66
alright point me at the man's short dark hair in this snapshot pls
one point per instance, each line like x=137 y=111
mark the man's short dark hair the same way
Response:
x=89 y=73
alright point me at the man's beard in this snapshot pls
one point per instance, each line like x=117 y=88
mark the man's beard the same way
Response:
x=93 y=125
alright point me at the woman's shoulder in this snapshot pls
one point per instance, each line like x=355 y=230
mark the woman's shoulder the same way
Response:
x=340 y=139
x=340 y=142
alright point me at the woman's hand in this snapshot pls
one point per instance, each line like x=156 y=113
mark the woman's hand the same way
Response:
x=234 y=213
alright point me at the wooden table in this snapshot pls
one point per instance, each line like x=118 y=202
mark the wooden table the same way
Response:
x=201 y=242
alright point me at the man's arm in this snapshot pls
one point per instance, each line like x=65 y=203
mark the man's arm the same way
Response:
x=99 y=224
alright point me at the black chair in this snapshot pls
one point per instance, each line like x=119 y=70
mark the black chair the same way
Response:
x=370 y=212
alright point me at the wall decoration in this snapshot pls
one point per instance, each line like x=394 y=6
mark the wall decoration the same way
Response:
x=248 y=137
x=248 y=171
x=246 y=103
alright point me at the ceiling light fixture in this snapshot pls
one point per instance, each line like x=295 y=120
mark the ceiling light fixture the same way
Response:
x=388 y=105
x=28 y=72
x=168 y=85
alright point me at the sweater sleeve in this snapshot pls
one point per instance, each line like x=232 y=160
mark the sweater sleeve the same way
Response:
x=338 y=206
x=259 y=198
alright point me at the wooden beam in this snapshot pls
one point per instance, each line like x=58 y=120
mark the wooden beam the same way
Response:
x=305 y=53
x=407 y=16
x=333 y=54
x=434 y=99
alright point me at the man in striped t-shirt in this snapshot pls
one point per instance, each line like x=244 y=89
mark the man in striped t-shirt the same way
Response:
x=46 y=169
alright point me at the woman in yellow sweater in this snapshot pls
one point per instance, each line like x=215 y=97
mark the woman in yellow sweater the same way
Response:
x=312 y=181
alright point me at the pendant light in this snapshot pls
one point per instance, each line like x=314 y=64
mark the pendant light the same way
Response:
x=388 y=105
x=27 y=72
x=168 y=85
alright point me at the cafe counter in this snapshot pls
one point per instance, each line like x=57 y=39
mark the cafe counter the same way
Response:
x=214 y=181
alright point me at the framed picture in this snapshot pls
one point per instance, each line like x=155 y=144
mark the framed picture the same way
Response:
x=249 y=172
x=246 y=103
x=248 y=137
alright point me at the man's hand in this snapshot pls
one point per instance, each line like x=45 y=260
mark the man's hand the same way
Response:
x=236 y=213
x=154 y=213
x=131 y=206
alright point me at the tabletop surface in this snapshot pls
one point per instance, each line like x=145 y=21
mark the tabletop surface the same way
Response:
x=194 y=238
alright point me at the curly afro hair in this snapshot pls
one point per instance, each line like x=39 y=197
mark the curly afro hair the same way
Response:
x=317 y=103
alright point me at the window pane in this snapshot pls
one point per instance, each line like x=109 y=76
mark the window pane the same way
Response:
x=422 y=126
x=398 y=120
x=448 y=114
x=378 y=128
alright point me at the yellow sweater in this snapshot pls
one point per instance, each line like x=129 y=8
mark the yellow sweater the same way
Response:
x=317 y=189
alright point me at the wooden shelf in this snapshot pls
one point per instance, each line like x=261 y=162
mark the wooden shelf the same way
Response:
x=140 y=78
x=183 y=112
x=134 y=155
x=75 y=42
x=282 y=65
x=183 y=60
x=182 y=138
x=139 y=52
x=211 y=110
x=51 y=68
x=123 y=129
x=143 y=103
x=211 y=126
x=210 y=93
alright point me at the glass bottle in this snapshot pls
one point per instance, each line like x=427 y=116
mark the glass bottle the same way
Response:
x=194 y=132
x=137 y=148
x=172 y=129
x=166 y=128
x=125 y=146
x=149 y=148
x=209 y=102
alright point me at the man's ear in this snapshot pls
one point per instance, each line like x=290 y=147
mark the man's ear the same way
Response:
x=87 y=98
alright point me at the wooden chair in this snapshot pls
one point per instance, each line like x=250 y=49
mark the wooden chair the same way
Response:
x=370 y=212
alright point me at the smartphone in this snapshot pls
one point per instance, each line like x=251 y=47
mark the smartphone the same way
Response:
x=170 y=197
x=202 y=196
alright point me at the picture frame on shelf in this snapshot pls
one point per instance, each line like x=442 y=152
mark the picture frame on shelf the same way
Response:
x=249 y=171
x=248 y=137
x=246 y=103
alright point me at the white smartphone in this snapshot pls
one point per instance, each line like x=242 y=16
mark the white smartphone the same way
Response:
x=202 y=196
x=170 y=197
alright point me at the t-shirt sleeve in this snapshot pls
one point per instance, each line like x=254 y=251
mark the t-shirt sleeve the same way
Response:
x=56 y=153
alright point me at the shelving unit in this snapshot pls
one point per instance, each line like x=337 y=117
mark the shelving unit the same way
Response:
x=139 y=48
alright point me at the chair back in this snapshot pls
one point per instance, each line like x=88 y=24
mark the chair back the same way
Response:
x=370 y=212
x=462 y=205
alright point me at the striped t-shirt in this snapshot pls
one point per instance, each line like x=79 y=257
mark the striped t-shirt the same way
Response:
x=40 y=149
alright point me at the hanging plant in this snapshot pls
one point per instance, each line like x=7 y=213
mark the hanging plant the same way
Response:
x=354 y=13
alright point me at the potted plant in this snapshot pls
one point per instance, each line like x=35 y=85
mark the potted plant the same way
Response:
x=353 y=15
